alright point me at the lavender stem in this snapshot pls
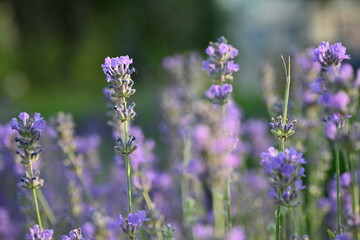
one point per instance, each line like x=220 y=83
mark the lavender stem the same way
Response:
x=338 y=200
x=35 y=198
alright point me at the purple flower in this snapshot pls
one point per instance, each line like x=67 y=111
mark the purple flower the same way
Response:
x=336 y=101
x=116 y=68
x=39 y=123
x=285 y=170
x=133 y=222
x=36 y=234
x=29 y=132
x=74 y=235
x=219 y=94
x=237 y=233
x=219 y=64
x=320 y=52
x=24 y=117
x=232 y=67
x=333 y=123
x=203 y=231
x=210 y=50
x=223 y=48
x=328 y=55
x=342 y=237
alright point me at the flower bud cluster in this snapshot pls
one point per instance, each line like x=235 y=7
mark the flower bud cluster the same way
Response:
x=118 y=74
x=31 y=182
x=29 y=132
x=219 y=94
x=219 y=64
x=282 y=130
x=73 y=235
x=125 y=148
x=330 y=55
x=336 y=86
x=168 y=232
x=132 y=224
x=124 y=112
x=285 y=169
x=37 y=234
x=220 y=67
x=337 y=89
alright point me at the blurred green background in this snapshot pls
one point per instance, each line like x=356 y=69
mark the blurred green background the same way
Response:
x=51 y=51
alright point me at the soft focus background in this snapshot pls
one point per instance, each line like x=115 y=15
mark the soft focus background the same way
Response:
x=51 y=51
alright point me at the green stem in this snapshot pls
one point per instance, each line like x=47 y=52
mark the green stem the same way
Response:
x=218 y=209
x=354 y=192
x=282 y=140
x=283 y=228
x=127 y=162
x=47 y=209
x=338 y=200
x=184 y=177
x=35 y=198
x=293 y=229
x=227 y=190
x=287 y=91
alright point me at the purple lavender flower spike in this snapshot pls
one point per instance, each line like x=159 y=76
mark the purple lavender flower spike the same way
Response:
x=74 y=234
x=285 y=170
x=219 y=94
x=117 y=68
x=334 y=122
x=36 y=234
x=219 y=64
x=330 y=55
x=132 y=224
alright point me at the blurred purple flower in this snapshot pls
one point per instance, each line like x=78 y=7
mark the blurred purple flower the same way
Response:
x=236 y=233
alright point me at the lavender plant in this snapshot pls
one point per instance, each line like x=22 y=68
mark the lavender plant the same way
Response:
x=29 y=132
x=118 y=75
x=284 y=165
x=334 y=87
x=220 y=67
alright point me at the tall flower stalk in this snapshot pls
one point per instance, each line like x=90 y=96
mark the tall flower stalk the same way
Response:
x=284 y=166
x=330 y=86
x=29 y=132
x=220 y=68
x=118 y=75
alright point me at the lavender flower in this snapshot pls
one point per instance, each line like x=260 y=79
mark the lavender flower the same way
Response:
x=29 y=132
x=334 y=122
x=73 y=235
x=117 y=67
x=281 y=130
x=219 y=64
x=133 y=223
x=219 y=94
x=36 y=234
x=328 y=55
x=286 y=171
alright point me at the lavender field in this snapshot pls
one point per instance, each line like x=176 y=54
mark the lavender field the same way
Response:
x=198 y=164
